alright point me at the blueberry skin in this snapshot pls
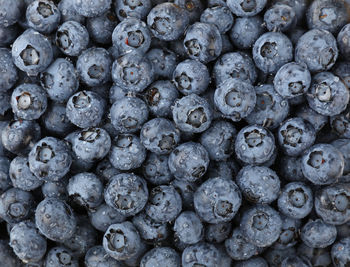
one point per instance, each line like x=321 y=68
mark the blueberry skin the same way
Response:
x=341 y=252
x=21 y=176
x=270 y=109
x=317 y=49
x=328 y=95
x=28 y=101
x=182 y=164
x=164 y=62
x=331 y=204
x=192 y=114
x=97 y=256
x=164 y=204
x=161 y=256
x=255 y=145
x=289 y=236
x=150 y=231
x=317 y=120
x=55 y=121
x=85 y=109
x=188 y=228
x=340 y=124
x=238 y=248
x=317 y=256
x=103 y=216
x=16 y=205
x=253 y=262
x=217 y=233
x=128 y=114
x=60 y=257
x=295 y=135
x=32 y=52
x=126 y=9
x=101 y=28
x=20 y=136
x=292 y=80
x=156 y=170
x=43 y=16
x=246 y=8
x=131 y=35
x=94 y=65
x=55 y=219
x=115 y=93
x=327 y=15
x=290 y=169
x=159 y=136
x=237 y=65
x=127 y=152
x=7 y=256
x=127 y=193
x=295 y=200
x=91 y=9
x=60 y=80
x=219 y=16
x=299 y=7
x=245 y=31
x=342 y=70
x=235 y=98
x=318 y=234
x=280 y=17
x=122 y=241
x=217 y=200
x=27 y=243
x=295 y=261
x=105 y=170
x=132 y=72
x=72 y=38
x=186 y=189
x=342 y=41
x=224 y=169
x=271 y=51
x=11 y=12
x=322 y=164
x=50 y=159
x=219 y=139
x=203 y=42
x=68 y=12
x=274 y=257
x=8 y=71
x=258 y=184
x=9 y=34
x=55 y=189
x=201 y=254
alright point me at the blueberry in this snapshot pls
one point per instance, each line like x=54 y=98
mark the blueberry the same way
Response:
x=7 y=257
x=219 y=16
x=295 y=200
x=271 y=51
x=246 y=30
x=43 y=16
x=20 y=136
x=97 y=256
x=270 y=109
x=164 y=62
x=194 y=8
x=192 y=114
x=9 y=34
x=217 y=200
x=127 y=193
x=11 y=12
x=133 y=72
x=156 y=170
x=261 y=225
x=161 y=256
x=150 y=231
x=225 y=169
x=237 y=65
x=103 y=216
x=127 y=152
x=255 y=145
x=27 y=243
x=28 y=101
x=274 y=257
x=299 y=7
x=49 y=159
x=164 y=204
x=91 y=8
x=344 y=145
x=332 y=204
x=32 y=52
x=317 y=49
x=246 y=8
x=72 y=38
x=290 y=169
x=201 y=254
x=341 y=252
x=317 y=256
x=105 y=170
x=318 y=234
x=21 y=176
x=131 y=35
x=68 y=12
x=122 y=241
x=188 y=228
x=290 y=233
x=258 y=184
x=8 y=71
x=217 y=233
x=297 y=261
x=238 y=248
x=136 y=9
x=316 y=119
x=342 y=70
x=253 y=262
x=322 y=164
x=16 y=205
x=182 y=164
x=60 y=257
x=101 y=28
x=55 y=189
x=280 y=17
x=327 y=15
x=85 y=109
x=186 y=189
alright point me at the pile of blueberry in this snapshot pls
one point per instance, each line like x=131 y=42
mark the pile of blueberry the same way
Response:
x=193 y=133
